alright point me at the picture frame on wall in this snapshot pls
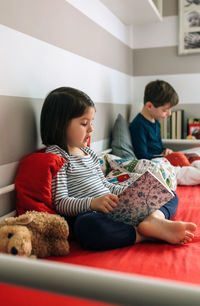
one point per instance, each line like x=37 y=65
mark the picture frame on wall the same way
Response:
x=189 y=27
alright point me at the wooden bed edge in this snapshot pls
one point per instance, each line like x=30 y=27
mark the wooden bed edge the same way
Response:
x=10 y=214
x=95 y=284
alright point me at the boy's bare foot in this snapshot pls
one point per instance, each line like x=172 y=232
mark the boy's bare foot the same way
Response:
x=174 y=232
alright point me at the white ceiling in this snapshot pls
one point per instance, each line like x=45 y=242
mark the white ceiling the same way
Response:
x=132 y=12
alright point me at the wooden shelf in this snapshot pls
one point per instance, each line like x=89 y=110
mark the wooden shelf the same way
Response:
x=180 y=144
x=182 y=141
x=134 y=12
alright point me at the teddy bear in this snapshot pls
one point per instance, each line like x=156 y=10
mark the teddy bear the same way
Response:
x=34 y=233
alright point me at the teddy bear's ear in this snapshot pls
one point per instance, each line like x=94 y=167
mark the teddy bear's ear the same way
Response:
x=21 y=220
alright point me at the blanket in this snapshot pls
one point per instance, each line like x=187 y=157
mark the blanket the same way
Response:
x=125 y=171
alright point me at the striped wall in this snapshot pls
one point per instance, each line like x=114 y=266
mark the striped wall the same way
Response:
x=45 y=44
x=155 y=55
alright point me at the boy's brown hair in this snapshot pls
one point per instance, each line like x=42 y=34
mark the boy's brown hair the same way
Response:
x=159 y=93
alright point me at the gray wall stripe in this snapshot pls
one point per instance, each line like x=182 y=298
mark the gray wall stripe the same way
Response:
x=60 y=24
x=164 y=60
x=18 y=127
x=23 y=135
x=105 y=117
x=170 y=7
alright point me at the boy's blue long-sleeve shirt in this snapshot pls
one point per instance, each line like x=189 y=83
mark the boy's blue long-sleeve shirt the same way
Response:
x=145 y=137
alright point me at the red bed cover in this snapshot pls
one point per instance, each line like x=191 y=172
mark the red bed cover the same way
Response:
x=173 y=262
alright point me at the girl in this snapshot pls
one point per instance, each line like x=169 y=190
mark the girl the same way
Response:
x=80 y=190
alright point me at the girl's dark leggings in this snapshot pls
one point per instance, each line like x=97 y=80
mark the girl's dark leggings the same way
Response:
x=95 y=231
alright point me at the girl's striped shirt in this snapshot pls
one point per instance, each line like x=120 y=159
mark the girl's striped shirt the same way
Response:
x=78 y=182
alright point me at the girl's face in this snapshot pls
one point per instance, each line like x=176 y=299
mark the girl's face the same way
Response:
x=79 y=130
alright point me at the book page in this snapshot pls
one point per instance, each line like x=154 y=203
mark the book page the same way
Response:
x=140 y=199
x=159 y=176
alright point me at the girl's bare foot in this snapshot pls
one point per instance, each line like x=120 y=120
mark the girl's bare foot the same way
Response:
x=174 y=232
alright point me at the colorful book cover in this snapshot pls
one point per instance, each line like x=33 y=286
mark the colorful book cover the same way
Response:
x=194 y=130
x=140 y=199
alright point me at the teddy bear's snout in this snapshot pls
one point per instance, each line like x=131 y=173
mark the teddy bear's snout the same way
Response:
x=14 y=251
x=34 y=233
x=15 y=240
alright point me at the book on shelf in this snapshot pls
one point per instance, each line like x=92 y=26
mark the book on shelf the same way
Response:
x=165 y=128
x=180 y=124
x=172 y=127
x=174 y=118
x=146 y=194
x=193 y=120
x=161 y=128
x=169 y=130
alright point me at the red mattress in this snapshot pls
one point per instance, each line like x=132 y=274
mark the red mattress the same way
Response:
x=173 y=262
x=14 y=296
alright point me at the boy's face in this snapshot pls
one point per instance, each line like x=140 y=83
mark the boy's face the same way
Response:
x=161 y=112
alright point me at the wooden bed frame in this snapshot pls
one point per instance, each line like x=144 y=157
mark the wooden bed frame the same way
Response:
x=93 y=283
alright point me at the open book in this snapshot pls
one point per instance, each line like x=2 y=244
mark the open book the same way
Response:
x=141 y=198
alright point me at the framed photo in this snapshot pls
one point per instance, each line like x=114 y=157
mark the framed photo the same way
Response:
x=194 y=130
x=189 y=26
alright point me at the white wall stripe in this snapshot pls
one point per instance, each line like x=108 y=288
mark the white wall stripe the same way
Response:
x=31 y=68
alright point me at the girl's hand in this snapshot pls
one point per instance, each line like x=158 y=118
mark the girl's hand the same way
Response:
x=105 y=203
x=167 y=151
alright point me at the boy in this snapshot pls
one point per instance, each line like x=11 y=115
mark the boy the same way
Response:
x=159 y=98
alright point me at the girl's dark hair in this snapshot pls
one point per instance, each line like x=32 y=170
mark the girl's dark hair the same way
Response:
x=60 y=106
x=159 y=93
